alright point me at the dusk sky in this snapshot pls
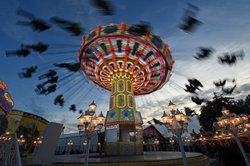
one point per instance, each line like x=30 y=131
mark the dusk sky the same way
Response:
x=226 y=28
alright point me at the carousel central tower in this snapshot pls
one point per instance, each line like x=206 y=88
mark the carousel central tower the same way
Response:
x=127 y=60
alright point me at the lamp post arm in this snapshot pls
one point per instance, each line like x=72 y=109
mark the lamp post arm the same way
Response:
x=182 y=150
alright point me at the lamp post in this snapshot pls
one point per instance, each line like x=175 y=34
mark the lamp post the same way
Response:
x=187 y=141
x=218 y=137
x=202 y=139
x=37 y=141
x=70 y=144
x=88 y=124
x=5 y=137
x=234 y=124
x=156 y=143
x=171 y=141
x=99 y=148
x=21 y=140
x=177 y=123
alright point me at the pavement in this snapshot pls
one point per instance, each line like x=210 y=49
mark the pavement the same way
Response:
x=147 y=156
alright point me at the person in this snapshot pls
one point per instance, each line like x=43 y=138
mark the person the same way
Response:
x=49 y=74
x=46 y=91
x=28 y=72
x=74 y=67
x=72 y=108
x=24 y=52
x=104 y=6
x=51 y=80
x=73 y=27
x=40 y=89
x=39 y=47
x=36 y=24
x=59 y=100
x=50 y=89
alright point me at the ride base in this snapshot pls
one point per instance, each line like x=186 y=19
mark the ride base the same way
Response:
x=147 y=159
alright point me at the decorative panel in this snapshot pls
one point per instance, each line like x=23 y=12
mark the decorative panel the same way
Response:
x=120 y=87
x=127 y=115
x=120 y=100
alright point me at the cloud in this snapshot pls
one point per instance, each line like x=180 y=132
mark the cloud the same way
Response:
x=224 y=28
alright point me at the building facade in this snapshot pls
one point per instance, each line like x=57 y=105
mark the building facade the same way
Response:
x=73 y=143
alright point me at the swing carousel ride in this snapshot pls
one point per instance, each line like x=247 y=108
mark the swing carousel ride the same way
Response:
x=127 y=60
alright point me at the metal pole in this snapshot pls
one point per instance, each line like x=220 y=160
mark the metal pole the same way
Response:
x=205 y=148
x=241 y=149
x=220 y=142
x=5 y=153
x=172 y=147
x=182 y=151
x=18 y=158
x=86 y=161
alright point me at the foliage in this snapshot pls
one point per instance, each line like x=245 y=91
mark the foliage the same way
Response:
x=212 y=109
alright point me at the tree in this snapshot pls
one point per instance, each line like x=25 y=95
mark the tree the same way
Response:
x=212 y=109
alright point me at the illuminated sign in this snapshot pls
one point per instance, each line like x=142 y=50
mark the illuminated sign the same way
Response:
x=6 y=102
x=3 y=85
x=8 y=98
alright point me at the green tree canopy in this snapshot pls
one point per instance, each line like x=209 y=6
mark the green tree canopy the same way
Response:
x=212 y=109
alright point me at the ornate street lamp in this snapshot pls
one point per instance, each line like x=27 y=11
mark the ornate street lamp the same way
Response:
x=70 y=143
x=171 y=141
x=37 y=141
x=89 y=124
x=203 y=140
x=5 y=137
x=176 y=123
x=21 y=140
x=187 y=141
x=156 y=144
x=230 y=123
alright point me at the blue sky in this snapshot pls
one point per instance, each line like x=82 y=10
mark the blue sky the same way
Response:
x=225 y=27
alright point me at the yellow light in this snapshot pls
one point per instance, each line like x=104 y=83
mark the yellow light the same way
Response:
x=92 y=106
x=167 y=119
x=220 y=123
x=94 y=121
x=247 y=125
x=70 y=142
x=225 y=111
x=87 y=119
x=101 y=118
x=181 y=118
x=81 y=119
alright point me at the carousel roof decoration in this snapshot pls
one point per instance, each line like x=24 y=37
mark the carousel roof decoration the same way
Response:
x=117 y=48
